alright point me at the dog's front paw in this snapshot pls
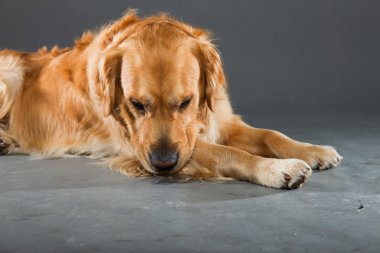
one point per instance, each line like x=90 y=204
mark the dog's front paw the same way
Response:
x=321 y=157
x=294 y=173
x=285 y=173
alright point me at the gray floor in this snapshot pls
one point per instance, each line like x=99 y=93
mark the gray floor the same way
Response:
x=71 y=205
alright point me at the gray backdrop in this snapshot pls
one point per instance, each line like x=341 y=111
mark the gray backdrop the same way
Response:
x=281 y=57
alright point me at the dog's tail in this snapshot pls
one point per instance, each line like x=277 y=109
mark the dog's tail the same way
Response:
x=11 y=79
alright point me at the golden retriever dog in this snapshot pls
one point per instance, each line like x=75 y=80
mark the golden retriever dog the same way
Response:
x=149 y=96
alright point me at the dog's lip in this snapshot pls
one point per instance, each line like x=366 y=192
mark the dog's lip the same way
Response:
x=166 y=169
x=168 y=172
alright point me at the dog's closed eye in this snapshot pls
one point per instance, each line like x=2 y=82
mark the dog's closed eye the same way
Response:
x=185 y=103
x=138 y=105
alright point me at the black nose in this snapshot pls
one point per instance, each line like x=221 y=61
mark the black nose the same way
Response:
x=163 y=160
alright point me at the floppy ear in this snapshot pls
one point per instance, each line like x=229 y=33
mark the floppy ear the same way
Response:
x=109 y=77
x=211 y=71
x=109 y=63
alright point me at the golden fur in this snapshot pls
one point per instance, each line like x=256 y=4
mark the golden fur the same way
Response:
x=140 y=85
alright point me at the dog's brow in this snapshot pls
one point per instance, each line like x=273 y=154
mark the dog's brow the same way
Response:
x=142 y=99
x=175 y=101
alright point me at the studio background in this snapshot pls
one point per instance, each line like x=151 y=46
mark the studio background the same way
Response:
x=292 y=58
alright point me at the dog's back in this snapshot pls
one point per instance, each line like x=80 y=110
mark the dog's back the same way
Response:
x=43 y=109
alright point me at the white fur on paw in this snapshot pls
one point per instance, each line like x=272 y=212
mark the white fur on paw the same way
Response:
x=285 y=173
x=322 y=157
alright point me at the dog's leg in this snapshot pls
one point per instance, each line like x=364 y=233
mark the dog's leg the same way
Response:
x=274 y=144
x=239 y=164
x=128 y=165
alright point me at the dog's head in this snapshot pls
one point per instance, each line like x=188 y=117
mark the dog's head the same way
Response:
x=158 y=77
